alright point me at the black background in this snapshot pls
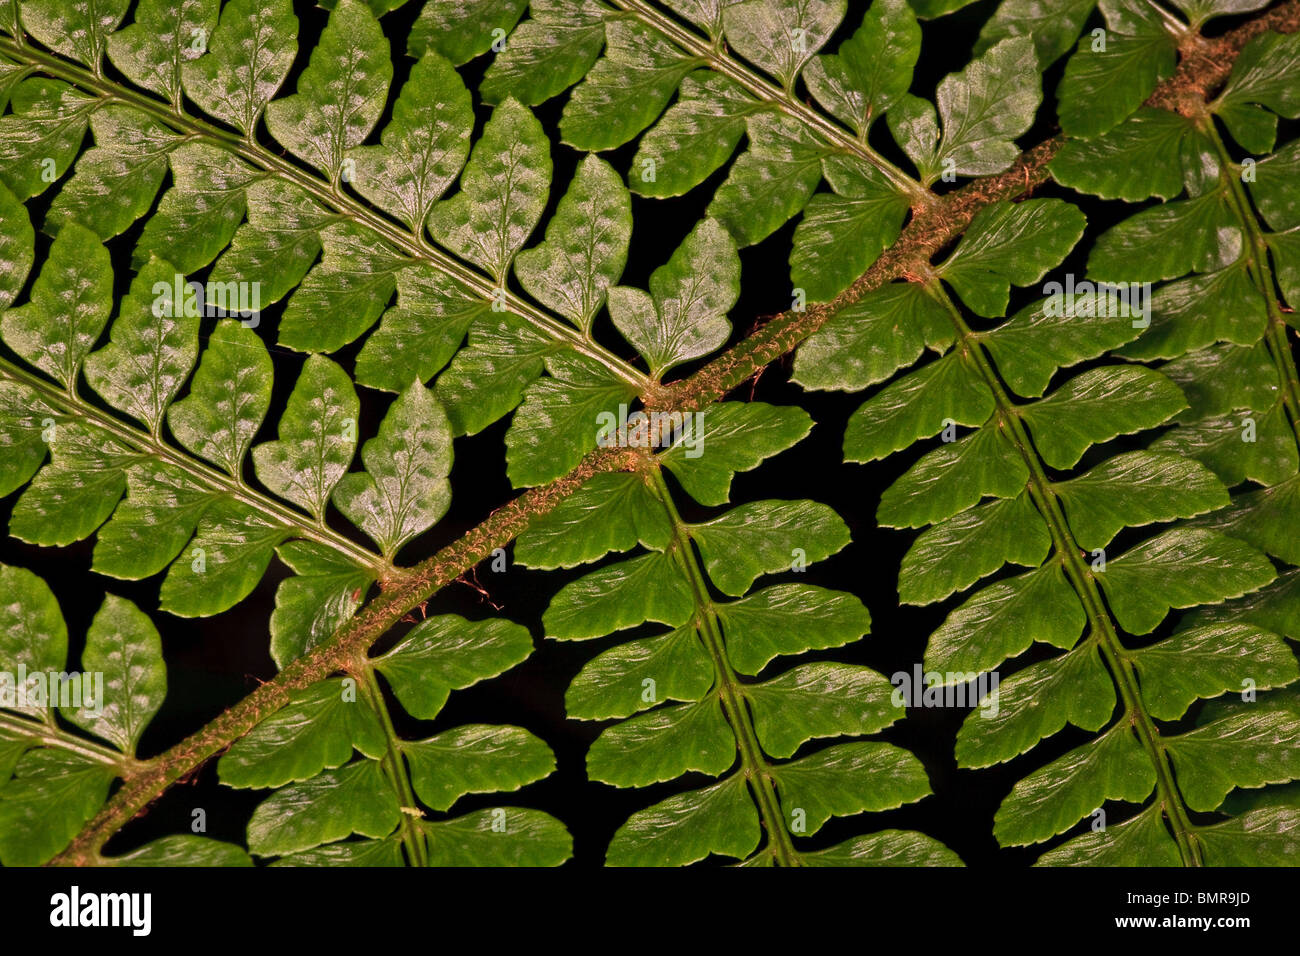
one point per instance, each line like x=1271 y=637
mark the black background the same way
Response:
x=213 y=663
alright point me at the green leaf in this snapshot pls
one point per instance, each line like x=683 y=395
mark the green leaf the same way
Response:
x=1052 y=28
x=165 y=35
x=227 y=559
x=183 y=850
x=446 y=653
x=1136 y=488
x=17 y=245
x=122 y=645
x=488 y=379
x=41 y=137
x=529 y=838
x=770 y=182
x=1141 y=841
x=43 y=807
x=115 y=182
x=32 y=636
x=385 y=852
x=502 y=192
x=740 y=435
x=1274 y=189
x=1198 y=11
x=840 y=236
x=781 y=37
x=149 y=356
x=706 y=14
x=585 y=248
x=198 y=216
x=1140 y=158
x=663 y=745
x=766 y=537
x=1264 y=518
x=475 y=758
x=949 y=391
x=1243 y=750
x=871 y=69
x=419 y=335
x=1051 y=800
x=984 y=108
x=1043 y=337
x=1035 y=703
x=278 y=244
x=77 y=30
x=626 y=90
x=1010 y=244
x=868 y=341
x=692 y=293
x=317 y=438
x=760 y=626
x=646 y=588
x=1180 y=568
x=1221 y=378
x=1200 y=310
x=153 y=523
x=1003 y=619
x=1110 y=76
x=74 y=494
x=228 y=397
x=547 y=53
x=952 y=478
x=847 y=779
x=614 y=684
x=354 y=799
x=561 y=418
x=423 y=147
x=1264 y=73
x=404 y=489
x=27 y=420
x=1263 y=836
x=955 y=554
x=885 y=848
x=819 y=700
x=1096 y=406
x=695 y=137
x=318 y=730
x=1243 y=445
x=682 y=829
x=462 y=31
x=1208 y=661
x=342 y=296
x=610 y=512
x=248 y=59
x=323 y=594
x=1167 y=241
x=340 y=94
x=68 y=309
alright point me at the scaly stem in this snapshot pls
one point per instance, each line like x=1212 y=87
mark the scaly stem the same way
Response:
x=1256 y=253
x=410 y=244
x=756 y=768
x=1085 y=584
x=394 y=765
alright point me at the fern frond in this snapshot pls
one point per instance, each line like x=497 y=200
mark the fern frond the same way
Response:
x=323 y=796
x=1014 y=457
x=55 y=779
x=188 y=507
x=726 y=724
